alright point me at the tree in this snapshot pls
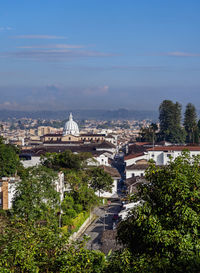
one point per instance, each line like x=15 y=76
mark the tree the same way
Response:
x=36 y=198
x=25 y=248
x=30 y=238
x=100 y=180
x=9 y=159
x=170 y=122
x=65 y=160
x=162 y=235
x=149 y=133
x=80 y=189
x=190 y=123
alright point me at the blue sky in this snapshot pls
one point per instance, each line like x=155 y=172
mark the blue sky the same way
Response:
x=101 y=54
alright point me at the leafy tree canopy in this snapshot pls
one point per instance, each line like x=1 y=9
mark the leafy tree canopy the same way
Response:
x=100 y=180
x=27 y=248
x=162 y=235
x=148 y=134
x=65 y=160
x=35 y=197
x=9 y=159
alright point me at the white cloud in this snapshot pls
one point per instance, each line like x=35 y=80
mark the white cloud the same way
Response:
x=53 y=46
x=47 y=37
x=182 y=54
x=5 y=29
x=97 y=91
x=53 y=54
x=176 y=54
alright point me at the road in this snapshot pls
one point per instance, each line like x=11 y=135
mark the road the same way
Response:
x=103 y=222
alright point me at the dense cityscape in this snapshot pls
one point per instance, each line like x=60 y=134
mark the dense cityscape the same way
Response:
x=89 y=186
x=99 y=136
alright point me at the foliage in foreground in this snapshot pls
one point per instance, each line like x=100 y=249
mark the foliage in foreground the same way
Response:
x=34 y=248
x=163 y=235
x=9 y=159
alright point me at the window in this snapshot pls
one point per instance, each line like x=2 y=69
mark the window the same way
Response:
x=168 y=155
x=141 y=174
x=133 y=174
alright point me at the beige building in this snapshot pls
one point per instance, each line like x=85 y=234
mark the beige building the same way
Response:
x=70 y=134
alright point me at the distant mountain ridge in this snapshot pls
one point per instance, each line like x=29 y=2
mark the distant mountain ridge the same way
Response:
x=120 y=114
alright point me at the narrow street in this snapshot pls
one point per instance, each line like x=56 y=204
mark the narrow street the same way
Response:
x=103 y=222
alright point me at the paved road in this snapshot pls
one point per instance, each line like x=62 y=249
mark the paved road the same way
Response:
x=103 y=222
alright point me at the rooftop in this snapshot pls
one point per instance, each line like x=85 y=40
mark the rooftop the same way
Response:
x=175 y=148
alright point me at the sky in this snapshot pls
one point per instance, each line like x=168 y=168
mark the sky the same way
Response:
x=98 y=54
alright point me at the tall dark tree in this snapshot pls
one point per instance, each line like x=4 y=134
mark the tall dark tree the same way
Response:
x=170 y=122
x=190 y=123
x=148 y=134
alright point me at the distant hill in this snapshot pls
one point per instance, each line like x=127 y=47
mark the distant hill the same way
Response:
x=120 y=114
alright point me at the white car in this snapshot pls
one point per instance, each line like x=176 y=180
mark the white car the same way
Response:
x=127 y=209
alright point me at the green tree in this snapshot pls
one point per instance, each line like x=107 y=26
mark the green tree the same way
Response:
x=80 y=189
x=65 y=160
x=190 y=123
x=170 y=122
x=149 y=133
x=162 y=234
x=9 y=160
x=35 y=197
x=28 y=248
x=100 y=180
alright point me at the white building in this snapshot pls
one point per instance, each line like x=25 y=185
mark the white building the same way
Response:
x=136 y=164
x=160 y=154
x=136 y=170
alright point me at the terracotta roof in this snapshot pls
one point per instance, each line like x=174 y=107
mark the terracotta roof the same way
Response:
x=175 y=148
x=98 y=153
x=142 y=143
x=133 y=156
x=137 y=167
x=134 y=148
x=105 y=144
x=41 y=150
x=135 y=181
x=110 y=170
x=78 y=148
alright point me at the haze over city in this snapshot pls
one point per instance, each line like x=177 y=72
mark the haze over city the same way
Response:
x=98 y=54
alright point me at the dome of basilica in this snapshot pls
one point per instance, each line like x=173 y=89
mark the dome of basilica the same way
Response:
x=71 y=127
